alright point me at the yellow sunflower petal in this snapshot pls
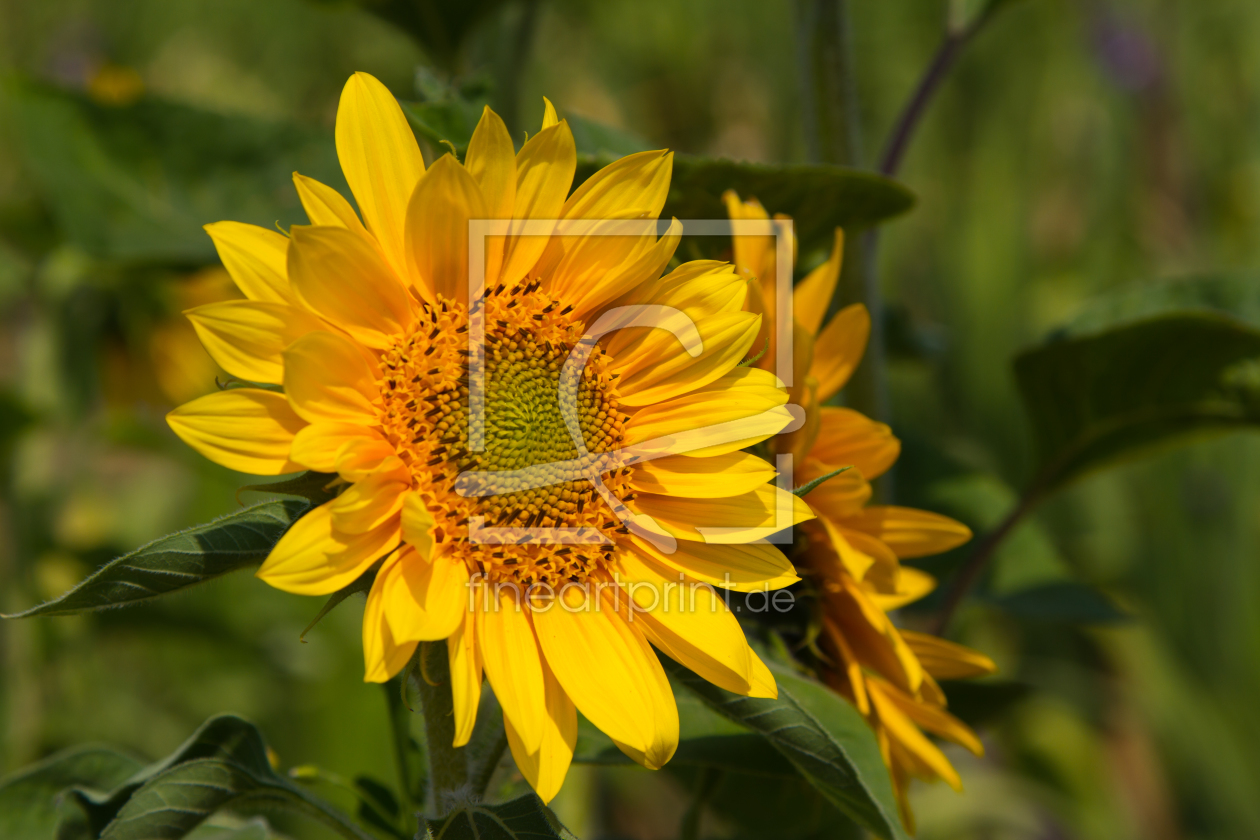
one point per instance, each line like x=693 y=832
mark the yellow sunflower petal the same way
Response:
x=946 y=660
x=512 y=661
x=594 y=285
x=544 y=173
x=903 y=730
x=311 y=559
x=256 y=259
x=739 y=568
x=912 y=584
x=245 y=429
x=740 y=394
x=326 y=206
x=550 y=117
x=417 y=524
x=464 y=657
x=316 y=446
x=341 y=276
x=847 y=438
x=247 y=337
x=327 y=378
x=491 y=161
x=910 y=532
x=732 y=519
x=359 y=458
x=381 y=160
x=841 y=496
x=729 y=474
x=811 y=296
x=607 y=667
x=689 y=622
x=368 y=504
x=657 y=368
x=429 y=598
x=546 y=767
x=839 y=349
x=383 y=655
x=637 y=184
x=437 y=227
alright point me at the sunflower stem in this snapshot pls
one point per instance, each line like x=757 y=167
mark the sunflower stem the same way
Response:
x=448 y=765
x=407 y=752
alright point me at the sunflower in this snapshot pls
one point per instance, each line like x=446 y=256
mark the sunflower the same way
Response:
x=853 y=549
x=364 y=324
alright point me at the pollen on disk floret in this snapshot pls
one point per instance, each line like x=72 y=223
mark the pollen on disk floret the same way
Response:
x=424 y=384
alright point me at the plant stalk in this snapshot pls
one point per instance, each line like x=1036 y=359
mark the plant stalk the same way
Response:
x=448 y=765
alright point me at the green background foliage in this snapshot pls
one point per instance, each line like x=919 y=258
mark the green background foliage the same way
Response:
x=1085 y=238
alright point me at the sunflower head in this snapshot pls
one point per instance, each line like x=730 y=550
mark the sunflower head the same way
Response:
x=476 y=426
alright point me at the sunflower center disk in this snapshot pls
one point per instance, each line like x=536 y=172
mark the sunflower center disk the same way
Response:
x=425 y=389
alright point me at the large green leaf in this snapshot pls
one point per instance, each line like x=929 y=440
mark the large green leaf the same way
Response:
x=440 y=28
x=1097 y=399
x=223 y=765
x=525 y=818
x=819 y=198
x=180 y=560
x=29 y=808
x=823 y=736
x=138 y=182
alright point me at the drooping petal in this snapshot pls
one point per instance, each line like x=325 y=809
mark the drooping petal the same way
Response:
x=381 y=160
x=256 y=259
x=247 y=337
x=847 y=438
x=464 y=656
x=607 y=667
x=327 y=378
x=546 y=767
x=512 y=661
x=910 y=532
x=312 y=559
x=437 y=227
x=427 y=599
x=341 y=276
x=326 y=206
x=839 y=349
x=811 y=296
x=244 y=429
x=903 y=730
x=912 y=584
x=945 y=659
x=840 y=496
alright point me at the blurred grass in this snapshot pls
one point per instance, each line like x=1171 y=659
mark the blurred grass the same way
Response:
x=1078 y=149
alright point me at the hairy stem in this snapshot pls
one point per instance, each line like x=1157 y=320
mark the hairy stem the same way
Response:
x=969 y=574
x=448 y=765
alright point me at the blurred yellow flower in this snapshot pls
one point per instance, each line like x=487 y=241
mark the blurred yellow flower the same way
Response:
x=111 y=84
x=365 y=325
x=854 y=548
x=182 y=367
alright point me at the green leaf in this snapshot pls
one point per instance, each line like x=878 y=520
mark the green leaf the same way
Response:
x=1062 y=601
x=525 y=818
x=823 y=736
x=312 y=486
x=223 y=765
x=1098 y=399
x=807 y=488
x=600 y=140
x=29 y=798
x=756 y=807
x=138 y=182
x=180 y=560
x=819 y=198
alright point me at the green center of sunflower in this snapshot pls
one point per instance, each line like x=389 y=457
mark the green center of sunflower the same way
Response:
x=425 y=386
